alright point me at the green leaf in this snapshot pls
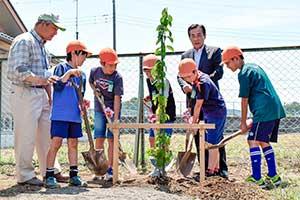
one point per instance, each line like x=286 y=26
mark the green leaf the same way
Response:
x=170 y=19
x=171 y=39
x=157 y=52
x=170 y=48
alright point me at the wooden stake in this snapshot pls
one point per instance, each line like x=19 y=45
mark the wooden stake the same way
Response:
x=116 y=155
x=201 y=126
x=202 y=156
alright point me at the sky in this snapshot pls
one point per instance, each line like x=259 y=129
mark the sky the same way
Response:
x=248 y=24
x=253 y=23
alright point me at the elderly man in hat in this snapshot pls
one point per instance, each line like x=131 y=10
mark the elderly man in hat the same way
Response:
x=28 y=63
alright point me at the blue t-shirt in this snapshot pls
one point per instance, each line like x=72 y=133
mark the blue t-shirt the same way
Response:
x=213 y=105
x=109 y=86
x=65 y=106
x=263 y=100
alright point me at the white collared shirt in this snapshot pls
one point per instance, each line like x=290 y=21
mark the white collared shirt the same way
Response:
x=197 y=55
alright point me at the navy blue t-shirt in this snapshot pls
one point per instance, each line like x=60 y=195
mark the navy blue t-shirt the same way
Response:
x=109 y=86
x=213 y=105
x=65 y=105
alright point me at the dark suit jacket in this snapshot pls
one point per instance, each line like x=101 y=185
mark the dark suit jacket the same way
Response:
x=210 y=62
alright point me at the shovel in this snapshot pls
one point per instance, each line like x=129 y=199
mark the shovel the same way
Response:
x=186 y=160
x=224 y=141
x=95 y=159
x=128 y=164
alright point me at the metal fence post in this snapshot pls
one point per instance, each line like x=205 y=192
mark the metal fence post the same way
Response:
x=0 y=106
x=139 y=138
x=141 y=112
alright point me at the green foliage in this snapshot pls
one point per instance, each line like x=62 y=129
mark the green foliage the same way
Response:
x=161 y=151
x=292 y=109
x=92 y=122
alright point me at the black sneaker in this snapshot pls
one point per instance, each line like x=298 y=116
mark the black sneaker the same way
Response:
x=223 y=174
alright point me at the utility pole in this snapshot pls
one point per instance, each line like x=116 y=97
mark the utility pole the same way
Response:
x=114 y=25
x=77 y=20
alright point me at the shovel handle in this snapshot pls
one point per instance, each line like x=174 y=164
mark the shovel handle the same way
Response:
x=100 y=99
x=83 y=109
x=224 y=141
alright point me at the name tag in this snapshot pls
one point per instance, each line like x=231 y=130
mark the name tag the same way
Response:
x=193 y=94
x=110 y=87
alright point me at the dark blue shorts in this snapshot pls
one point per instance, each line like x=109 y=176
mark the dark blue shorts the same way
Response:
x=168 y=131
x=264 y=131
x=214 y=136
x=65 y=129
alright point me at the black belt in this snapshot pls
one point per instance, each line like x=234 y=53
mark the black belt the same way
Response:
x=36 y=86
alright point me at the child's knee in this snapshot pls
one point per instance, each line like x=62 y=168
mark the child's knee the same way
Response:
x=264 y=144
x=253 y=143
x=72 y=143
x=99 y=143
x=56 y=143
x=110 y=141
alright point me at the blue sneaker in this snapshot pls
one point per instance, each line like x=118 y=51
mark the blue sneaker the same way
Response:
x=109 y=174
x=51 y=183
x=76 y=181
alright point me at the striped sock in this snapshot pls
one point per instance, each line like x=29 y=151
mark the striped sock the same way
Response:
x=49 y=172
x=73 y=171
x=270 y=159
x=255 y=156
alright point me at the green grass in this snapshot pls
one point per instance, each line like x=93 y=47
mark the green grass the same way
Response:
x=287 y=153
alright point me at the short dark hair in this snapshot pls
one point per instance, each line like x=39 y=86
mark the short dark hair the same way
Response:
x=69 y=55
x=193 y=26
x=42 y=22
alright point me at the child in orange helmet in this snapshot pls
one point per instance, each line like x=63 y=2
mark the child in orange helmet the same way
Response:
x=209 y=99
x=257 y=92
x=109 y=82
x=65 y=115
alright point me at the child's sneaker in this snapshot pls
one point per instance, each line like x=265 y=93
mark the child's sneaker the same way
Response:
x=76 y=181
x=109 y=174
x=275 y=180
x=51 y=182
x=97 y=178
x=153 y=161
x=155 y=172
x=261 y=183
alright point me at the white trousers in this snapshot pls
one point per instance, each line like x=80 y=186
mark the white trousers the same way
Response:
x=31 y=115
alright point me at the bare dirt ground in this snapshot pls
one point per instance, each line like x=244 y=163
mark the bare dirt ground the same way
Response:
x=142 y=187
x=138 y=187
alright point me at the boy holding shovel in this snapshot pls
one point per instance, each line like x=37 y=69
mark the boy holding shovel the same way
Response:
x=65 y=116
x=208 y=98
x=257 y=91
x=109 y=83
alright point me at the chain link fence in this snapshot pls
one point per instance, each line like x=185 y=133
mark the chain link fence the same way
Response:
x=282 y=64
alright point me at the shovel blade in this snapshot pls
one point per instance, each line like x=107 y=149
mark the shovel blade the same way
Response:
x=129 y=165
x=185 y=168
x=96 y=161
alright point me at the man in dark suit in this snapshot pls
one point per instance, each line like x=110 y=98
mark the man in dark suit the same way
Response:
x=208 y=60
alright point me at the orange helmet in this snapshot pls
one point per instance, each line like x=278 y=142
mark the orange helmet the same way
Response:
x=186 y=67
x=149 y=61
x=76 y=45
x=231 y=52
x=109 y=56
